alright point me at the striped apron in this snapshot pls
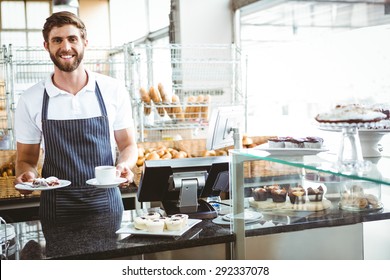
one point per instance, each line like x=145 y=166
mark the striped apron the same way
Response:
x=72 y=150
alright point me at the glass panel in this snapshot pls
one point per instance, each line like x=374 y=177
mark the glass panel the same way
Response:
x=12 y=15
x=37 y=12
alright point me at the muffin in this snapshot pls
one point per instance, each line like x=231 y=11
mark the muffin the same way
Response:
x=259 y=194
x=297 y=195
x=315 y=194
x=279 y=194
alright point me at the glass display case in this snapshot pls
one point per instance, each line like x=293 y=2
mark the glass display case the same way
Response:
x=304 y=190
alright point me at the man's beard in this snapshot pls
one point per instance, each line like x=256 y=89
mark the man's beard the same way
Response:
x=67 y=66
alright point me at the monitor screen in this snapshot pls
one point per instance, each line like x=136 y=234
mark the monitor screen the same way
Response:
x=181 y=183
x=223 y=121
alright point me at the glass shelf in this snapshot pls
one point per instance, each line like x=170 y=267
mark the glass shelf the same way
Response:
x=323 y=162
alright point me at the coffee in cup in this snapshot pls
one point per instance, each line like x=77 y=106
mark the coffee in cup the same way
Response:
x=105 y=174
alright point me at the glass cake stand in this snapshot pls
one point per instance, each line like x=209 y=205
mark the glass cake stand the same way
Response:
x=350 y=156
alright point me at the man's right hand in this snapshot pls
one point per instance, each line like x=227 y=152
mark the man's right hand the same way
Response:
x=24 y=178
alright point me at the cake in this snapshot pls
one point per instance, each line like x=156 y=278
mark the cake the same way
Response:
x=278 y=194
x=48 y=182
x=155 y=225
x=152 y=215
x=270 y=188
x=315 y=194
x=297 y=195
x=140 y=222
x=259 y=194
x=174 y=224
x=294 y=143
x=350 y=113
x=182 y=217
x=276 y=142
x=313 y=142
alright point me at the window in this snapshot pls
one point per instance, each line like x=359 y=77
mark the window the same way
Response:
x=21 y=22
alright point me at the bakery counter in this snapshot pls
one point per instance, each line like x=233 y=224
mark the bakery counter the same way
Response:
x=329 y=234
x=95 y=237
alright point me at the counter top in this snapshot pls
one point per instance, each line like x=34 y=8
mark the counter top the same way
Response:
x=94 y=237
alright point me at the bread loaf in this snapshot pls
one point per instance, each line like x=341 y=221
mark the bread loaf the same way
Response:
x=205 y=107
x=166 y=99
x=190 y=108
x=146 y=99
x=156 y=97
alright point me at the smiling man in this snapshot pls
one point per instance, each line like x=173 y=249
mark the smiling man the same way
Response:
x=81 y=119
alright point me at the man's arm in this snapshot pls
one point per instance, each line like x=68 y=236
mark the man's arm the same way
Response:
x=26 y=164
x=128 y=152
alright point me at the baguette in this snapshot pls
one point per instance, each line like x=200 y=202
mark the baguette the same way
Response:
x=167 y=99
x=156 y=97
x=146 y=99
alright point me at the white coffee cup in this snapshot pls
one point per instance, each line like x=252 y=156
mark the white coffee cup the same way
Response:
x=105 y=174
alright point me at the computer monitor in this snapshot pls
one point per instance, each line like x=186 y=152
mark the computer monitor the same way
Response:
x=224 y=127
x=181 y=184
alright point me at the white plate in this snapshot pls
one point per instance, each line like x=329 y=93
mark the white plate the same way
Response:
x=289 y=151
x=94 y=182
x=248 y=216
x=132 y=230
x=29 y=187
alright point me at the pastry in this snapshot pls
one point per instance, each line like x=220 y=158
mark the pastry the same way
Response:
x=350 y=113
x=156 y=97
x=173 y=224
x=140 y=222
x=155 y=225
x=183 y=217
x=315 y=194
x=312 y=142
x=259 y=194
x=146 y=99
x=297 y=195
x=279 y=195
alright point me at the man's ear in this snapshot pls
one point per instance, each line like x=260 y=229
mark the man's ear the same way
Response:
x=46 y=46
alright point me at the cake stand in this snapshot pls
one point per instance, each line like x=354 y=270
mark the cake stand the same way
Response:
x=350 y=155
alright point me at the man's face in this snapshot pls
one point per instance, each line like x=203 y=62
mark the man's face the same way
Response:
x=66 y=47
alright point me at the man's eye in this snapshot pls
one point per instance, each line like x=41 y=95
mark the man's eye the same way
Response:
x=56 y=41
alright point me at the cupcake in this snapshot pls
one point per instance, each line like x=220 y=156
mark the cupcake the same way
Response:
x=315 y=194
x=259 y=194
x=278 y=194
x=297 y=195
x=140 y=222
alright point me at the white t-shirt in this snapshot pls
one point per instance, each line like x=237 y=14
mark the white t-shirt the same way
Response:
x=63 y=105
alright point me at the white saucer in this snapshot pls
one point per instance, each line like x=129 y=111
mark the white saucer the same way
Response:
x=94 y=182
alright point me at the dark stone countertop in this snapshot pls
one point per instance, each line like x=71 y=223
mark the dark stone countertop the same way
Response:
x=95 y=237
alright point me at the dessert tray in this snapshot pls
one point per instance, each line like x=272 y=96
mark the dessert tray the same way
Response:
x=130 y=229
x=94 y=182
x=307 y=206
x=289 y=151
x=28 y=186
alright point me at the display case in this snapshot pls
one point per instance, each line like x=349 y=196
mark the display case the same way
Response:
x=295 y=193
